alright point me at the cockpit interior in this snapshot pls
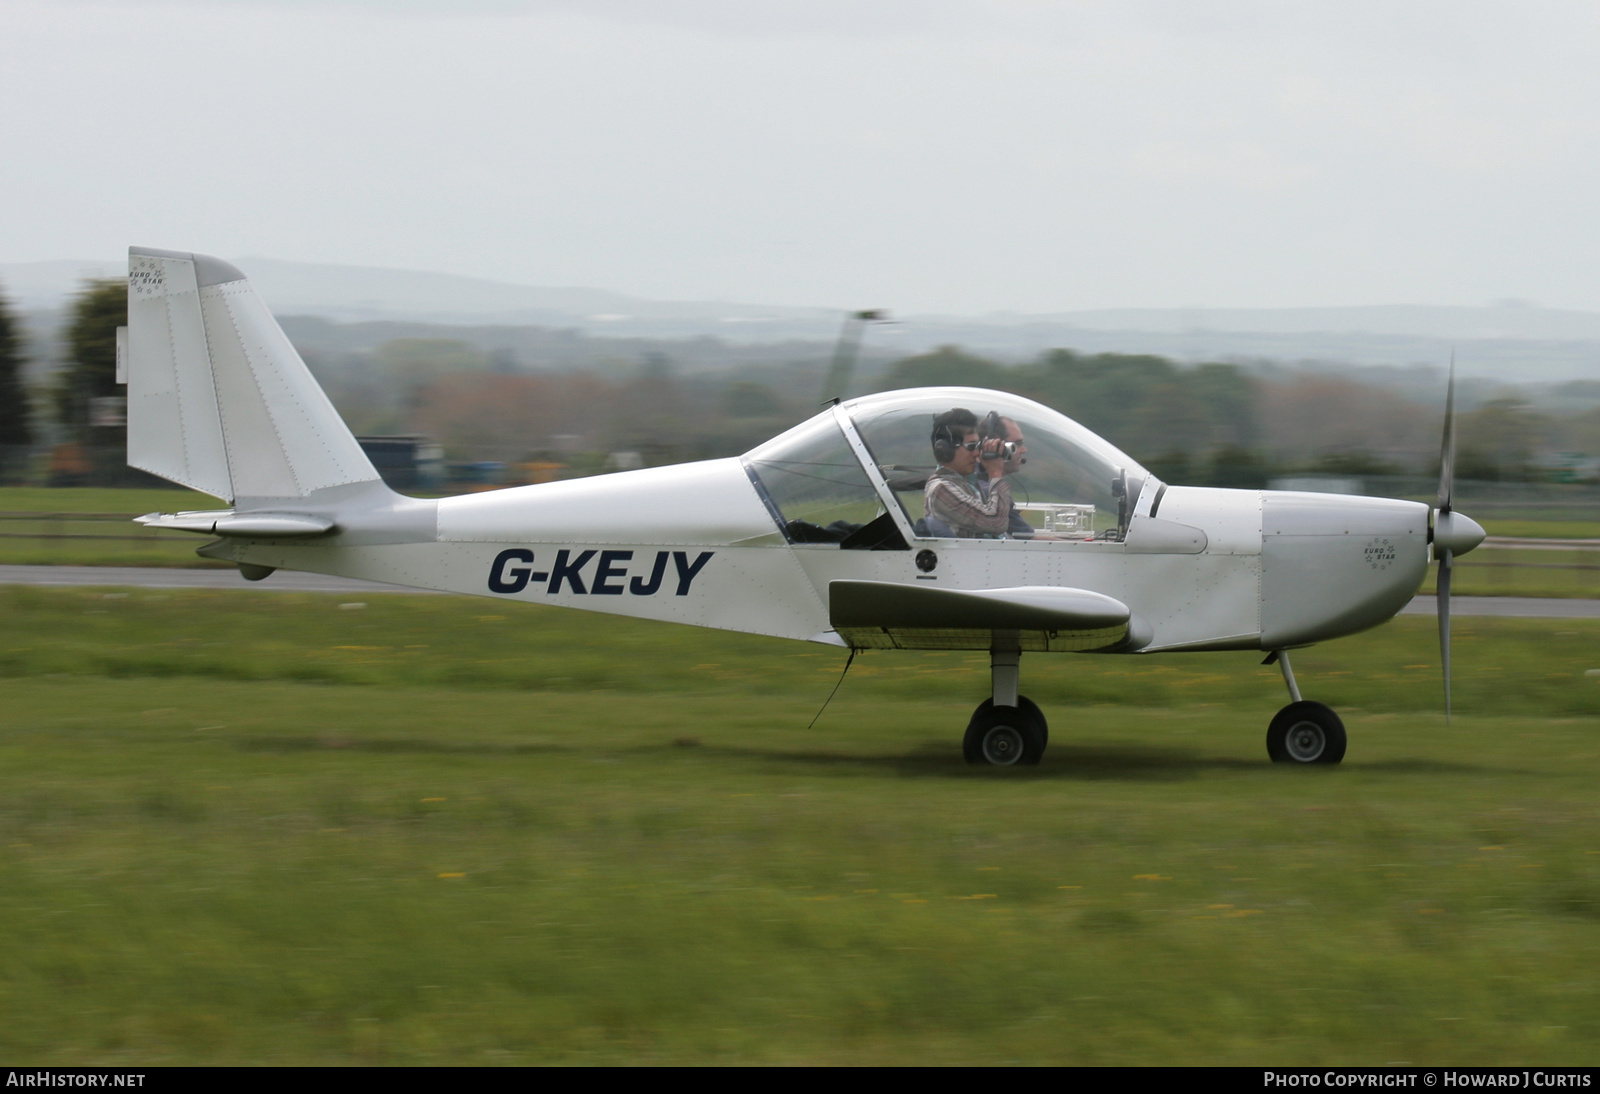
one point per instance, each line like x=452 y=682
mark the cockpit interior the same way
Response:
x=855 y=475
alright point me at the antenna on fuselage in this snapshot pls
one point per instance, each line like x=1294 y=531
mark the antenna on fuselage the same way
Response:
x=848 y=662
x=846 y=350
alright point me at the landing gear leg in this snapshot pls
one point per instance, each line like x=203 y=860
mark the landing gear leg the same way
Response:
x=1282 y=657
x=1304 y=732
x=1007 y=729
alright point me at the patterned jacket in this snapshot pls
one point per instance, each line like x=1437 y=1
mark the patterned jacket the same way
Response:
x=955 y=503
x=1018 y=528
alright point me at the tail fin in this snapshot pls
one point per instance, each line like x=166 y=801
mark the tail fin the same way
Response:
x=218 y=399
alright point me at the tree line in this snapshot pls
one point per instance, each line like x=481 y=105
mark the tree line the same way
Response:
x=1217 y=423
x=1226 y=425
x=88 y=373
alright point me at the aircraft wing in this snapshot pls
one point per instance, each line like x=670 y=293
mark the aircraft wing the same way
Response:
x=895 y=615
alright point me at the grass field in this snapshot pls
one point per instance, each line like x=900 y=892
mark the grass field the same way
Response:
x=1543 y=529
x=239 y=827
x=1522 y=572
x=95 y=527
x=95 y=499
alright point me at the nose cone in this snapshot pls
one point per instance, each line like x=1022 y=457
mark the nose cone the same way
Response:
x=1456 y=533
x=1333 y=565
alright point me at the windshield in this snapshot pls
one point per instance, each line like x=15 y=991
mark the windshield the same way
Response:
x=1065 y=482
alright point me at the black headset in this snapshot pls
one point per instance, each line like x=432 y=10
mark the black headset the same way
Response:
x=946 y=439
x=991 y=426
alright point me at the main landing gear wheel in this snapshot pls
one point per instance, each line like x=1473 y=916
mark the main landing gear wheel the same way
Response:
x=1026 y=705
x=1006 y=736
x=1306 y=733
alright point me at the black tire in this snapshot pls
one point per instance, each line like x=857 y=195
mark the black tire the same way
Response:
x=1003 y=737
x=1027 y=705
x=1306 y=733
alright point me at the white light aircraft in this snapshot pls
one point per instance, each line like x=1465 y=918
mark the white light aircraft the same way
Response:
x=818 y=534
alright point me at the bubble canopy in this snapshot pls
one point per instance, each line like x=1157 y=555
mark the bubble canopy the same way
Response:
x=1068 y=470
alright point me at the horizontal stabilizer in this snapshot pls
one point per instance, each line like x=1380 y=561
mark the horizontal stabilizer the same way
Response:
x=228 y=523
x=893 y=615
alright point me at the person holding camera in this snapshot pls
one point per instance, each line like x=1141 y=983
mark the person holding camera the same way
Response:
x=1014 y=453
x=956 y=507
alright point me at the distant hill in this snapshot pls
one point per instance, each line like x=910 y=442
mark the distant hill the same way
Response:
x=1514 y=342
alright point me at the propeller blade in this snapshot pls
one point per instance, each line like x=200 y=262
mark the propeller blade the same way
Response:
x=1443 y=600
x=1447 y=448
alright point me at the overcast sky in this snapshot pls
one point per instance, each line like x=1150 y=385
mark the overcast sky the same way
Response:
x=963 y=156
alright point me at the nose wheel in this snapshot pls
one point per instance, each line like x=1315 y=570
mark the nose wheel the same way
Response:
x=1306 y=733
x=1303 y=732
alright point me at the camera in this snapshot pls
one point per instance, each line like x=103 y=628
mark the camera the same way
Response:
x=991 y=428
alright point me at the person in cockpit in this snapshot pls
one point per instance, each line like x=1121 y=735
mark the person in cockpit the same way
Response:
x=957 y=508
x=1014 y=451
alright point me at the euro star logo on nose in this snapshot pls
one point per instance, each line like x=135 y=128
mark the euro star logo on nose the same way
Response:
x=1380 y=554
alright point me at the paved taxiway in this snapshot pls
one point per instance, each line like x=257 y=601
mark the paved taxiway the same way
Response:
x=141 y=577
x=288 y=581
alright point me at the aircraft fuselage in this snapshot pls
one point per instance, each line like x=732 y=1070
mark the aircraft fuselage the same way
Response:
x=694 y=543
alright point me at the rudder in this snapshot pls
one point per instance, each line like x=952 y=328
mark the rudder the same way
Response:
x=218 y=399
